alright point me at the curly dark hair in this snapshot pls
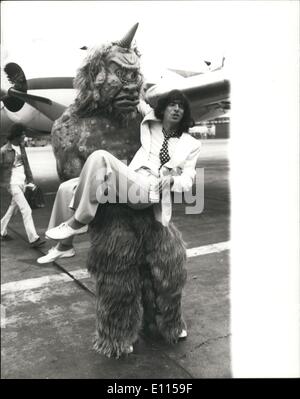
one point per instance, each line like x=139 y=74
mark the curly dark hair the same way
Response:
x=16 y=130
x=175 y=95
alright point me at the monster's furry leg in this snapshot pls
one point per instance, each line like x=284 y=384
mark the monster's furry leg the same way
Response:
x=166 y=257
x=114 y=262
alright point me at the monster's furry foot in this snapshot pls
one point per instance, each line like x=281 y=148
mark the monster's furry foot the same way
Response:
x=160 y=331
x=111 y=349
x=171 y=331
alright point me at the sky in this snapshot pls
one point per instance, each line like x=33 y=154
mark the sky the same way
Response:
x=169 y=24
x=260 y=40
x=171 y=33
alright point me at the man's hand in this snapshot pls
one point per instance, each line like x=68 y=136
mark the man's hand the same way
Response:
x=32 y=186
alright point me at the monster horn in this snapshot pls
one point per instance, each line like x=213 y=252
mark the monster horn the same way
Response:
x=127 y=39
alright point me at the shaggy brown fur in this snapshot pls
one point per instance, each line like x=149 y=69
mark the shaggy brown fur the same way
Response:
x=74 y=139
x=94 y=94
x=138 y=264
x=163 y=277
x=93 y=122
x=139 y=268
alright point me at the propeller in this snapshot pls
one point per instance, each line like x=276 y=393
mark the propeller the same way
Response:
x=24 y=96
x=14 y=95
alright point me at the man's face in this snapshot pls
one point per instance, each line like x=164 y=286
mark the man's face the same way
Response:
x=174 y=112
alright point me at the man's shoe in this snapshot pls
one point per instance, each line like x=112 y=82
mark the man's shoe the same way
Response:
x=183 y=334
x=6 y=237
x=65 y=231
x=54 y=254
x=37 y=243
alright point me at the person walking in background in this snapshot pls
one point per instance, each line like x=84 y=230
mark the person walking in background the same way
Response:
x=16 y=176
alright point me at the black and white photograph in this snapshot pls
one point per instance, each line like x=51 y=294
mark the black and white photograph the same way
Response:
x=149 y=191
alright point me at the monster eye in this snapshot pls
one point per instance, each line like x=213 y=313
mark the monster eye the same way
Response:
x=119 y=73
x=127 y=75
x=132 y=75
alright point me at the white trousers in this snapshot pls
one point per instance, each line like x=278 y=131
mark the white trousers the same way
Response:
x=101 y=170
x=61 y=210
x=19 y=202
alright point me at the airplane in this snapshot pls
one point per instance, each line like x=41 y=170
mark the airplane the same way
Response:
x=39 y=100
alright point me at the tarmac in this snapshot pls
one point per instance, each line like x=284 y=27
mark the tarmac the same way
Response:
x=48 y=311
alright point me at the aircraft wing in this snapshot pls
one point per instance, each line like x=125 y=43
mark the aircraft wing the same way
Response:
x=209 y=94
x=50 y=108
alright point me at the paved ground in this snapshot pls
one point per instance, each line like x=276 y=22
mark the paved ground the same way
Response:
x=48 y=312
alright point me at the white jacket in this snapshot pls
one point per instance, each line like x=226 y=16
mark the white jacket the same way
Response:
x=183 y=161
x=182 y=165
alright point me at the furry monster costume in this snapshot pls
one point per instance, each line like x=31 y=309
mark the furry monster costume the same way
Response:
x=138 y=264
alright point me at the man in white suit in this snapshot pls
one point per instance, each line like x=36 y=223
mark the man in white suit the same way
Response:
x=165 y=162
